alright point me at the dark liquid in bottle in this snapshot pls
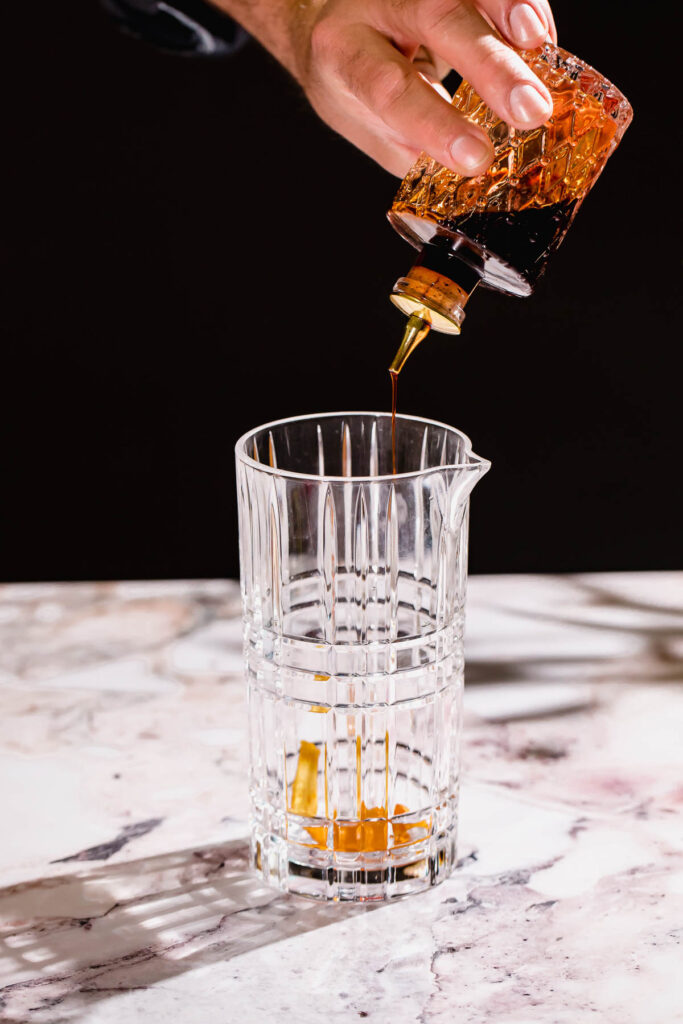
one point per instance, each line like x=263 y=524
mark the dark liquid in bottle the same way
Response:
x=518 y=241
x=508 y=249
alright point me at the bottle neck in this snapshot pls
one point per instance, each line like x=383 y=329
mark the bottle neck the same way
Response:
x=437 y=287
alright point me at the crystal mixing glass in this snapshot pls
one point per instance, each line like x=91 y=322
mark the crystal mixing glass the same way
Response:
x=353 y=586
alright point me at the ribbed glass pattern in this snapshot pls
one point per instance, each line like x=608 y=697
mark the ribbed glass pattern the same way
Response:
x=353 y=585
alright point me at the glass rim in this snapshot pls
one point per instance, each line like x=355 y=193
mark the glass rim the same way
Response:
x=578 y=64
x=474 y=461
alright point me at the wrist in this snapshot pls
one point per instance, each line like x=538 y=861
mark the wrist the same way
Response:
x=283 y=27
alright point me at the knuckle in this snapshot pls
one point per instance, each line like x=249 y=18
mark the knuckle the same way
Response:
x=502 y=14
x=502 y=18
x=324 y=40
x=496 y=60
x=390 y=84
x=400 y=6
x=438 y=16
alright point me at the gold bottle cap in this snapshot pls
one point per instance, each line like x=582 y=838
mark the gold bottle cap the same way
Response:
x=425 y=289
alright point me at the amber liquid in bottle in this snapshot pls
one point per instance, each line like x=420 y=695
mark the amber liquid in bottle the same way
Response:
x=501 y=227
x=506 y=222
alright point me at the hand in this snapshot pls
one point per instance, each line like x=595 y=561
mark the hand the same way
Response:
x=365 y=66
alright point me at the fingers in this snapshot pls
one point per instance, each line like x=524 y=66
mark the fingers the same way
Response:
x=431 y=66
x=524 y=23
x=392 y=156
x=459 y=35
x=430 y=77
x=416 y=117
x=359 y=76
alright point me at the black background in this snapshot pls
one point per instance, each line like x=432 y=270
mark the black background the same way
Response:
x=177 y=233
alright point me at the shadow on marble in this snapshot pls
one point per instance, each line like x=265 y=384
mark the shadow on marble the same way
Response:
x=655 y=632
x=129 y=926
x=640 y=617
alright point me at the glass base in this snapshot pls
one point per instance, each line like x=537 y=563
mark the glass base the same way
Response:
x=333 y=876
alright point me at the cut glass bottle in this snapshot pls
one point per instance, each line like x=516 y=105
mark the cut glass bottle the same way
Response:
x=500 y=228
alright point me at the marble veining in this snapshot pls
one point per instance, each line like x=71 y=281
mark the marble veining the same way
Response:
x=126 y=893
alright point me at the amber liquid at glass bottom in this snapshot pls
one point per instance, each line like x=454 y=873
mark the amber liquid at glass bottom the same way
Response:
x=371 y=831
x=353 y=584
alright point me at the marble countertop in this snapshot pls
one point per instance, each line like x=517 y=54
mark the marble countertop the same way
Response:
x=126 y=893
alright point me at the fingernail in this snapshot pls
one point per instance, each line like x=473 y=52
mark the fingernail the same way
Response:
x=471 y=154
x=528 y=106
x=525 y=25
